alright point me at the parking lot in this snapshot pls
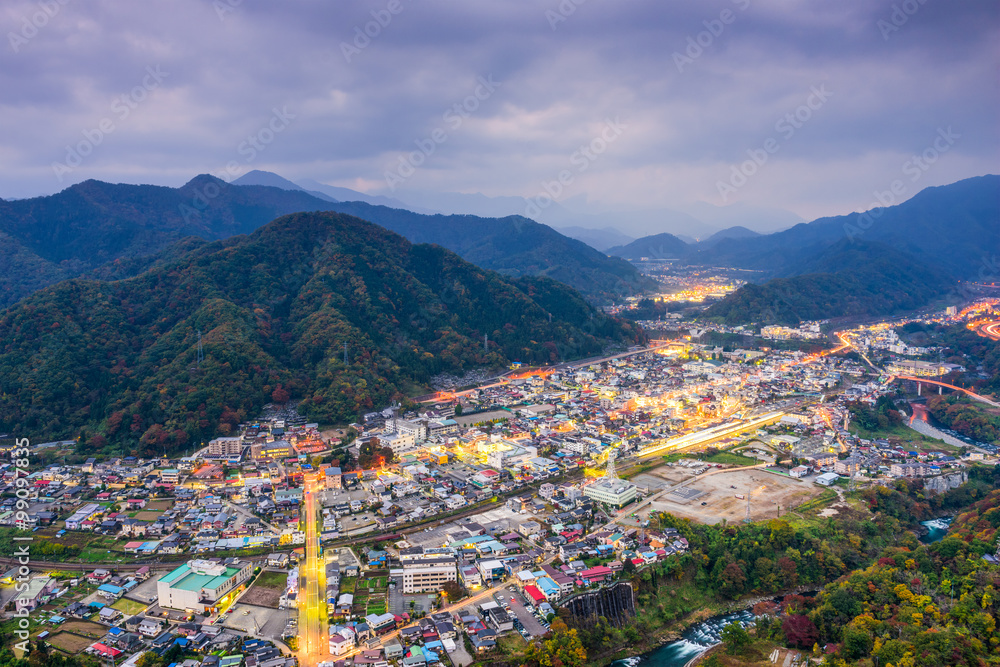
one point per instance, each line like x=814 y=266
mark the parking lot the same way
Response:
x=260 y=621
x=146 y=591
x=528 y=620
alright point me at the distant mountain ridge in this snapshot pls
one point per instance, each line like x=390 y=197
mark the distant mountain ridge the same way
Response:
x=657 y=246
x=955 y=228
x=273 y=311
x=859 y=279
x=76 y=231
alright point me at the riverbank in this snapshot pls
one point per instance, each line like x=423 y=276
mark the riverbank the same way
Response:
x=681 y=631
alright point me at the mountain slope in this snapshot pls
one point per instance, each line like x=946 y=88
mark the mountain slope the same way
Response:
x=513 y=246
x=847 y=279
x=657 y=246
x=274 y=310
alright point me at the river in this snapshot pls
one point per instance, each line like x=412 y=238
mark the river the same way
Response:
x=696 y=640
x=936 y=529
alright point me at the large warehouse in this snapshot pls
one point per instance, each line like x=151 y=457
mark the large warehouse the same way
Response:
x=199 y=585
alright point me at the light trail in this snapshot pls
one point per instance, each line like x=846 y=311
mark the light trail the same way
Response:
x=712 y=434
x=314 y=645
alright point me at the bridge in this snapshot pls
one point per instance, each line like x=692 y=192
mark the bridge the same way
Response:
x=971 y=394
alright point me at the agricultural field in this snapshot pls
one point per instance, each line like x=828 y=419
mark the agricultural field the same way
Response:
x=128 y=607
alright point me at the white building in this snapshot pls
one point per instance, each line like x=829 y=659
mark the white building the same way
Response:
x=827 y=479
x=201 y=584
x=616 y=492
x=422 y=575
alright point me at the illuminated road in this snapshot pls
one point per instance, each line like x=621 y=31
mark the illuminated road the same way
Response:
x=710 y=435
x=990 y=330
x=314 y=645
x=448 y=395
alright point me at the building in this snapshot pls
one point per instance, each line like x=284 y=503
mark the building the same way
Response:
x=334 y=478
x=827 y=479
x=279 y=449
x=922 y=368
x=799 y=471
x=611 y=491
x=910 y=470
x=200 y=584
x=38 y=591
x=848 y=466
x=428 y=574
x=224 y=447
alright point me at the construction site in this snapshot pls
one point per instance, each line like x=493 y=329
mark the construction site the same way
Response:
x=718 y=494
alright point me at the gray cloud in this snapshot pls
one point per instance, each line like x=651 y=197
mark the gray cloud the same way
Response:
x=891 y=90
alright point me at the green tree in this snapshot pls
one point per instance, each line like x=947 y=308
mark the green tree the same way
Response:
x=735 y=637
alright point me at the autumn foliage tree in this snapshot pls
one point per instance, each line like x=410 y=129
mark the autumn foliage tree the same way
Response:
x=561 y=647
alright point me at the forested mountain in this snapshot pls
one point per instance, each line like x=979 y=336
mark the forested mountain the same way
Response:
x=274 y=310
x=658 y=246
x=513 y=246
x=47 y=239
x=846 y=279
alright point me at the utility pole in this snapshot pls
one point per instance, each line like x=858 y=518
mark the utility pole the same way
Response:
x=201 y=353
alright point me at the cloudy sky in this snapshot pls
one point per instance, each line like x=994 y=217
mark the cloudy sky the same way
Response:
x=641 y=103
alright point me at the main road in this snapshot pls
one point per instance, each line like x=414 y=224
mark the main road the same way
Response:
x=314 y=645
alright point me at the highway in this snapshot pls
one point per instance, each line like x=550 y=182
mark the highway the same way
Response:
x=936 y=383
x=989 y=330
x=314 y=645
x=507 y=377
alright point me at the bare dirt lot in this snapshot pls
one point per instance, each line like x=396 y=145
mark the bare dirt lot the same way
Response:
x=85 y=628
x=266 y=591
x=160 y=505
x=68 y=642
x=720 y=499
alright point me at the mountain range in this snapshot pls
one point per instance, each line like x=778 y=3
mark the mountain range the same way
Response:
x=89 y=225
x=322 y=307
x=863 y=264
